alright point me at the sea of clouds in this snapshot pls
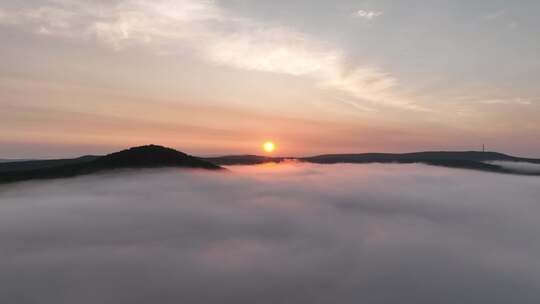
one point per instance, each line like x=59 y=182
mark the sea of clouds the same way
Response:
x=289 y=233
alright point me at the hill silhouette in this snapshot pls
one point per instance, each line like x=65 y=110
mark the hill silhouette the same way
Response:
x=247 y=159
x=150 y=156
x=22 y=165
x=460 y=159
x=433 y=156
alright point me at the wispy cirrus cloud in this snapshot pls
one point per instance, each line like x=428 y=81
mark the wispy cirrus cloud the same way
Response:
x=508 y=101
x=216 y=35
x=368 y=15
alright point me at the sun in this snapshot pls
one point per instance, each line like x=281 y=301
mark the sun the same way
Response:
x=269 y=147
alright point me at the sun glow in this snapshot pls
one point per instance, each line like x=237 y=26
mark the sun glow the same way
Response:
x=269 y=147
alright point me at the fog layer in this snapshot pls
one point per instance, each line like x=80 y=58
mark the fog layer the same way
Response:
x=289 y=233
x=520 y=167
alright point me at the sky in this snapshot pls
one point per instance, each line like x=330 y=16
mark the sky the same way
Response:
x=221 y=77
x=287 y=233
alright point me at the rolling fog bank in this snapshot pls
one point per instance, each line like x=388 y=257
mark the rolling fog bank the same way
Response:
x=288 y=233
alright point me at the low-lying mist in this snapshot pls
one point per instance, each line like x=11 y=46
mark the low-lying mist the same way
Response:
x=519 y=167
x=288 y=233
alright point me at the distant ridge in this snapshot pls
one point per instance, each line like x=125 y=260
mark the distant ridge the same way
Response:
x=230 y=160
x=429 y=156
x=150 y=156
x=375 y=158
x=460 y=159
x=22 y=165
x=4 y=160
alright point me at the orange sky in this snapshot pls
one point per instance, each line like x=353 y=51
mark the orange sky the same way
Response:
x=213 y=78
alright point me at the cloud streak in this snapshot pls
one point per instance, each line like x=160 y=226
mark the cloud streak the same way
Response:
x=290 y=233
x=216 y=35
x=368 y=15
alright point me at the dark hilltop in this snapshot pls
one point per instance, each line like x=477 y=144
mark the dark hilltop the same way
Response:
x=153 y=156
x=150 y=156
